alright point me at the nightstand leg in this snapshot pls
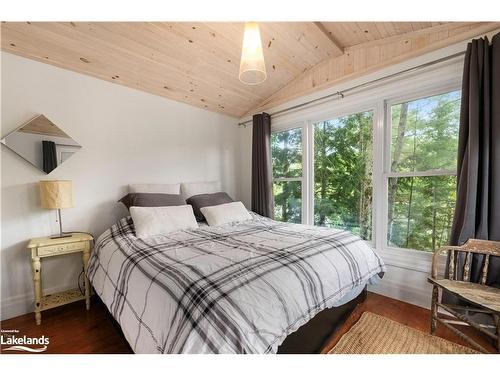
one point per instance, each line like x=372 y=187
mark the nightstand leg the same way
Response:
x=37 y=268
x=85 y=260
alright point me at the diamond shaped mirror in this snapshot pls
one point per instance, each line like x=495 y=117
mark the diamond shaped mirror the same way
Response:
x=42 y=143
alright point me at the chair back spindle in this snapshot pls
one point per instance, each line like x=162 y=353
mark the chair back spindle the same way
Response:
x=451 y=267
x=468 y=259
x=485 y=269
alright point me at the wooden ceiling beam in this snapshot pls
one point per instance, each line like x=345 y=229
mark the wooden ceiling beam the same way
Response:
x=336 y=44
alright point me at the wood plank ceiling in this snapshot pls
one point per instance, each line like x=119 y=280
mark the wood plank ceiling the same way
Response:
x=198 y=63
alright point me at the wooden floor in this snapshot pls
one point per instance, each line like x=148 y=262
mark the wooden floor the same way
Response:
x=72 y=329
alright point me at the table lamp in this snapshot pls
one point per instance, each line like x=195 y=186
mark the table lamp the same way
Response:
x=57 y=194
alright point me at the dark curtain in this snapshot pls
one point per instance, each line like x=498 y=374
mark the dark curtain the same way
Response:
x=477 y=211
x=262 y=174
x=49 y=156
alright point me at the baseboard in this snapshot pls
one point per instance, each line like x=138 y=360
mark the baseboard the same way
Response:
x=413 y=295
x=23 y=304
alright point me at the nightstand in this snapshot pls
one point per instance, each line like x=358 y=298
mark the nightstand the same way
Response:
x=44 y=247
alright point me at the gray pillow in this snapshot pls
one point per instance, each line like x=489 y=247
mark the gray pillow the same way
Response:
x=206 y=200
x=152 y=200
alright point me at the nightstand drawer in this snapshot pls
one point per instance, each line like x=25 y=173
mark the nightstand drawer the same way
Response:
x=61 y=249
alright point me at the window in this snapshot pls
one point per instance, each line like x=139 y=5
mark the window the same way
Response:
x=380 y=163
x=343 y=173
x=421 y=180
x=287 y=175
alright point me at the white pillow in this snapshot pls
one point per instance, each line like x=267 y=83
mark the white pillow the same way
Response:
x=194 y=188
x=155 y=188
x=154 y=221
x=225 y=213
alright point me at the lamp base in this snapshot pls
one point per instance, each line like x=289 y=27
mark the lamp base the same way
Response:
x=61 y=233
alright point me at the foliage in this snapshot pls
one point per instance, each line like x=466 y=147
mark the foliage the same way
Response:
x=424 y=138
x=342 y=173
x=287 y=162
x=421 y=208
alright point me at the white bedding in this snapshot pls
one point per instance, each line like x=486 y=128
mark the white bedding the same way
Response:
x=237 y=288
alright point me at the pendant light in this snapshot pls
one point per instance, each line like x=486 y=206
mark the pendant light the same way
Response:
x=252 y=65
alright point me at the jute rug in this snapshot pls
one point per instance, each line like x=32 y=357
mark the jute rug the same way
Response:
x=374 y=334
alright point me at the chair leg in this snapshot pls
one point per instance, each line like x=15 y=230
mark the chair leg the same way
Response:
x=434 y=310
x=497 y=323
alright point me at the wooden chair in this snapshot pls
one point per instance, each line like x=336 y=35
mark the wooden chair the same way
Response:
x=479 y=297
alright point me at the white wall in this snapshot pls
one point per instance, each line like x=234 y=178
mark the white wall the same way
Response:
x=245 y=163
x=127 y=136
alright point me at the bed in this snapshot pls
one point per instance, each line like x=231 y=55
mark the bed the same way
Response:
x=241 y=287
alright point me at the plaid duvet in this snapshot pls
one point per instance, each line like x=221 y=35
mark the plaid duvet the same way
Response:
x=237 y=288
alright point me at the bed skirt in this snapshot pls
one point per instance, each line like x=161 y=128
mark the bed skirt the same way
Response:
x=313 y=336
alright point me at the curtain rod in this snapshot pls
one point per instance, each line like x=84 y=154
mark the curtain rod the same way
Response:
x=340 y=94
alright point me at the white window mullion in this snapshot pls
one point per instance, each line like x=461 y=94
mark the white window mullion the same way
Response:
x=429 y=173
x=287 y=179
x=386 y=168
x=310 y=173
x=379 y=187
x=305 y=182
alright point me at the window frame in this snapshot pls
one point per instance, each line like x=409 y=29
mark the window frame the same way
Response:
x=429 y=81
x=345 y=112
x=294 y=126
x=387 y=160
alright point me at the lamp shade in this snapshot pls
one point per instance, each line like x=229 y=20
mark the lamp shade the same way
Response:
x=56 y=194
x=252 y=65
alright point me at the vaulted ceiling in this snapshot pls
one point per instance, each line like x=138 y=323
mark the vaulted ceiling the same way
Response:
x=198 y=63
